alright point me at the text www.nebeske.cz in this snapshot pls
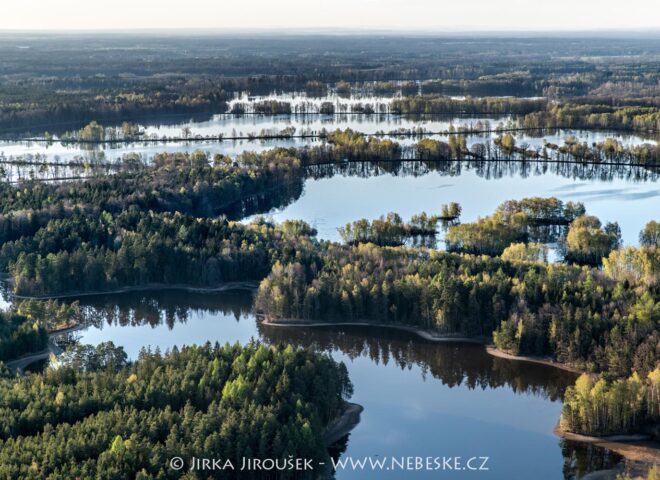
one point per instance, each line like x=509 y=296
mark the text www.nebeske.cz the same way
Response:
x=412 y=463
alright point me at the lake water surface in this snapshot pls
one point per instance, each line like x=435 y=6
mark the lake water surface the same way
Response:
x=229 y=126
x=420 y=398
x=334 y=196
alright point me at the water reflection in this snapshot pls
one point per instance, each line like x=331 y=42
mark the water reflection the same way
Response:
x=230 y=134
x=452 y=364
x=614 y=193
x=162 y=309
x=420 y=398
x=580 y=459
x=166 y=313
x=280 y=196
x=489 y=170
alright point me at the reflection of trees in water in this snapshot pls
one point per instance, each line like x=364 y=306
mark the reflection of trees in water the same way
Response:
x=165 y=307
x=266 y=201
x=452 y=364
x=489 y=170
x=582 y=458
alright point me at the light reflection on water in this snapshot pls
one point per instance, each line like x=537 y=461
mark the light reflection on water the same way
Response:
x=419 y=398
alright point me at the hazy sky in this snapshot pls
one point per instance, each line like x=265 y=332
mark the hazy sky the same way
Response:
x=353 y=14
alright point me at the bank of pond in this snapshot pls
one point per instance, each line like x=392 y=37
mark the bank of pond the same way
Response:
x=465 y=392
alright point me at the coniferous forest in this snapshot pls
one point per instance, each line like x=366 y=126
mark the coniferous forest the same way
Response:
x=124 y=420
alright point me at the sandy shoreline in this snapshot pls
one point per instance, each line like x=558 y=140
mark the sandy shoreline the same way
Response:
x=430 y=336
x=425 y=334
x=496 y=352
x=639 y=448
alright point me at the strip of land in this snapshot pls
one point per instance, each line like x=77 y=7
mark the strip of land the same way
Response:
x=425 y=334
x=496 y=352
x=342 y=425
x=632 y=447
x=148 y=287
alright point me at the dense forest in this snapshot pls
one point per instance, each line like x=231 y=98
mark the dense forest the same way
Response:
x=613 y=407
x=24 y=326
x=189 y=183
x=598 y=320
x=84 y=253
x=19 y=335
x=576 y=315
x=142 y=226
x=123 y=420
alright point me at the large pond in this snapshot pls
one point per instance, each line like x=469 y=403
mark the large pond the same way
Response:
x=420 y=398
x=335 y=195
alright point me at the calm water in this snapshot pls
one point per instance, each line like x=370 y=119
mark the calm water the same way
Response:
x=56 y=160
x=301 y=102
x=243 y=125
x=420 y=398
x=334 y=196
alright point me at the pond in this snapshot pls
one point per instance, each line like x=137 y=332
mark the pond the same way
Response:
x=420 y=398
x=335 y=195
x=232 y=126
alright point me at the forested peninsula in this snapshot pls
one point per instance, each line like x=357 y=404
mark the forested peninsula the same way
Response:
x=122 y=419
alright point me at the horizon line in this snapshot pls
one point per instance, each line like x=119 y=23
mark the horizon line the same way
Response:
x=297 y=31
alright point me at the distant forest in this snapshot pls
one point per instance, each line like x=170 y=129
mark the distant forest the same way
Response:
x=50 y=81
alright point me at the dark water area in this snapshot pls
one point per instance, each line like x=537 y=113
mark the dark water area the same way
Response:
x=420 y=398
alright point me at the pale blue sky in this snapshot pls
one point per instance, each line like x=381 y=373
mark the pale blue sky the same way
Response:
x=352 y=14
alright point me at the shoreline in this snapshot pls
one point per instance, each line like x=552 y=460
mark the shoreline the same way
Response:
x=635 y=447
x=319 y=135
x=425 y=334
x=496 y=352
x=246 y=285
x=341 y=426
x=431 y=336
x=638 y=448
